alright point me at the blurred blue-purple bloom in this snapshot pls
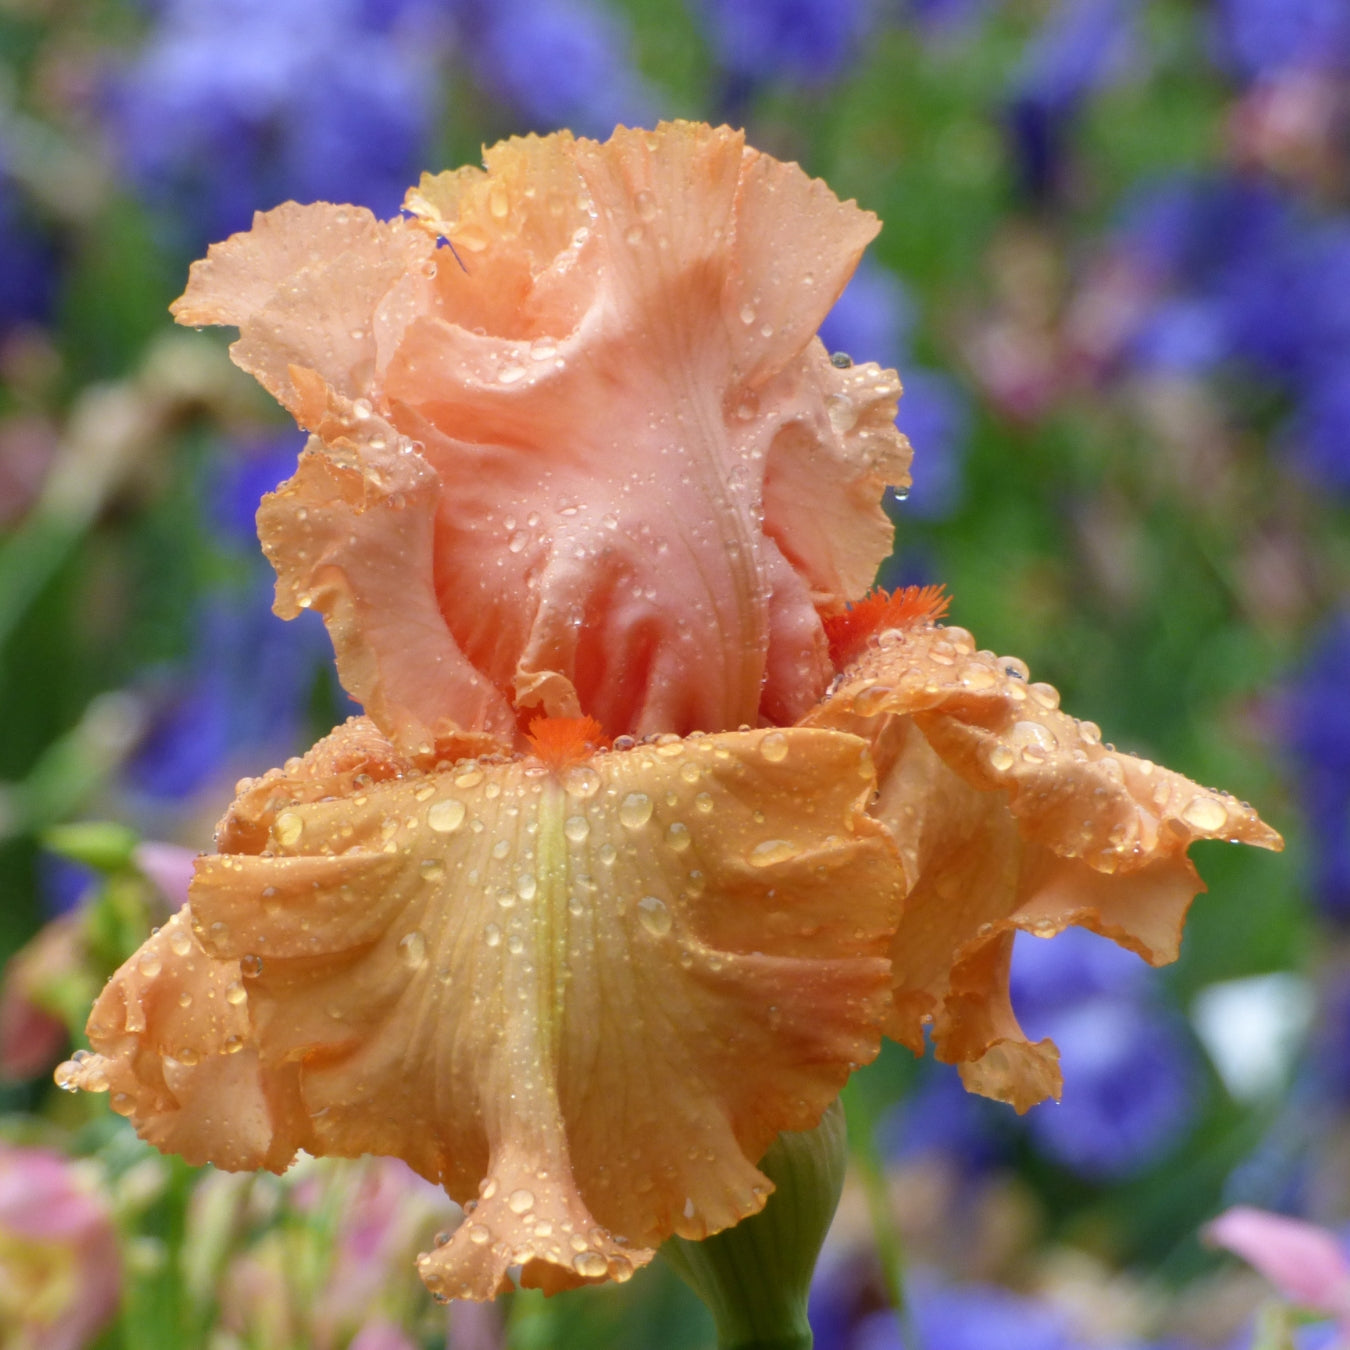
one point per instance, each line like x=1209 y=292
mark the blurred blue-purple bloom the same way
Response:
x=27 y=261
x=557 y=63
x=242 y=698
x=806 y=41
x=1129 y=1070
x=1257 y=38
x=1317 y=736
x=1083 y=45
x=969 y=1317
x=239 y=105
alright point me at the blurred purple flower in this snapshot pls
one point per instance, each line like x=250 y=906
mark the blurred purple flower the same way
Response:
x=1255 y=38
x=1129 y=1070
x=238 y=105
x=806 y=41
x=245 y=693
x=244 y=475
x=1232 y=267
x=1081 y=46
x=556 y=63
x=168 y=866
x=874 y=318
x=62 y=882
x=935 y=415
x=1316 y=715
x=1129 y=1088
x=938 y=1116
x=1319 y=431
x=969 y=1317
x=60 y=1273
x=1048 y=977
x=27 y=264
x=941 y=18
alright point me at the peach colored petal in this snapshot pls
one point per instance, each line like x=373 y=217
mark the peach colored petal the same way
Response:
x=352 y=535
x=171 y=1032
x=1009 y=814
x=302 y=286
x=633 y=475
x=583 y=999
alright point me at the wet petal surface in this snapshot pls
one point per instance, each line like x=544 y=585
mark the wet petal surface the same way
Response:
x=585 y=1000
x=1010 y=814
x=631 y=475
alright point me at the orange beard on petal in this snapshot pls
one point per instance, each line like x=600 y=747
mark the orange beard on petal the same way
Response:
x=583 y=998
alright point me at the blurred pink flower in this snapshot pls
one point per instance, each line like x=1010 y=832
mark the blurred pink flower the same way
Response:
x=1307 y=1264
x=33 y=1035
x=380 y=1334
x=168 y=866
x=59 y=1270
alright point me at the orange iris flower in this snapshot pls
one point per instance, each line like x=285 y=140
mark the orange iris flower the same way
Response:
x=646 y=838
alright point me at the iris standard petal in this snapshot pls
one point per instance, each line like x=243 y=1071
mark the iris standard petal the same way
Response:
x=651 y=478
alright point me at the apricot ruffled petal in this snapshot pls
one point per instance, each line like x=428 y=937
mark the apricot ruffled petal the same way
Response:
x=302 y=287
x=173 y=1049
x=1009 y=814
x=352 y=535
x=584 y=999
x=652 y=479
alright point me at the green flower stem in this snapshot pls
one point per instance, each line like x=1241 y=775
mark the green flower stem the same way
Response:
x=755 y=1278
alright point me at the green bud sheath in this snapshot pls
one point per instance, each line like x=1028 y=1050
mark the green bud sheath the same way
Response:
x=755 y=1277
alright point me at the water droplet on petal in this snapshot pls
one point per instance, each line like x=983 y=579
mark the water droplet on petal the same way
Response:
x=653 y=915
x=235 y=993
x=1001 y=758
x=446 y=817
x=412 y=949
x=1205 y=813
x=149 y=964
x=289 y=827
x=581 y=781
x=591 y=1265
x=520 y=1201
x=250 y=966
x=774 y=747
x=635 y=810
x=1045 y=694
x=772 y=851
x=842 y=412
x=576 y=828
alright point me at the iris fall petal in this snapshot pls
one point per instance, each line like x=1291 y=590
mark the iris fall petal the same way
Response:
x=1011 y=815
x=584 y=999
